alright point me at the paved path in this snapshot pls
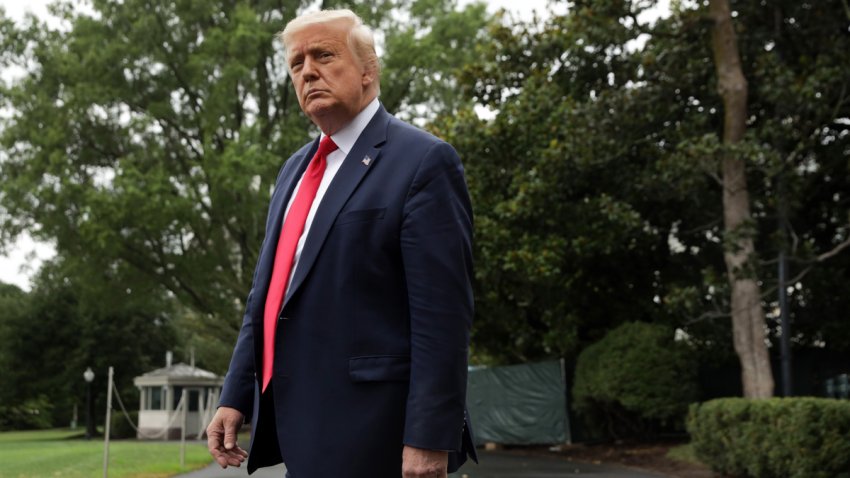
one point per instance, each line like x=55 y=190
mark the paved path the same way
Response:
x=493 y=465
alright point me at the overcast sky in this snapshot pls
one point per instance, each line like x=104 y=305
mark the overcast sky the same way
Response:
x=23 y=258
x=17 y=8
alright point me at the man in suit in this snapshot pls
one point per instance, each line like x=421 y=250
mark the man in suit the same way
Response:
x=352 y=355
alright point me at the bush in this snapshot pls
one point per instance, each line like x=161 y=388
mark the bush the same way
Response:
x=778 y=437
x=120 y=427
x=635 y=380
x=33 y=414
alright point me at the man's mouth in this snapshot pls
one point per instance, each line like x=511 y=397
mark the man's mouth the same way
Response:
x=314 y=92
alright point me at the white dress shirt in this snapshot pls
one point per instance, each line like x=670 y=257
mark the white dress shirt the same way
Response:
x=344 y=139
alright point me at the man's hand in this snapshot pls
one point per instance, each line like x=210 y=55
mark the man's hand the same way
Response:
x=419 y=463
x=221 y=437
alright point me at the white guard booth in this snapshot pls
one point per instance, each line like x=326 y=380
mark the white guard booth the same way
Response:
x=161 y=389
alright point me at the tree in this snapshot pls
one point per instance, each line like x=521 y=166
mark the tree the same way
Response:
x=424 y=54
x=598 y=183
x=60 y=328
x=147 y=140
x=13 y=302
x=571 y=231
x=147 y=137
x=748 y=324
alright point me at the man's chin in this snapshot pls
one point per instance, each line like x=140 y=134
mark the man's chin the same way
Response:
x=319 y=108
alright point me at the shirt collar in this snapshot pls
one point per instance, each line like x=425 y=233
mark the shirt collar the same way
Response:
x=347 y=136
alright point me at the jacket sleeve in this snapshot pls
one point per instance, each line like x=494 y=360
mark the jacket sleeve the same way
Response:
x=436 y=245
x=238 y=389
x=240 y=381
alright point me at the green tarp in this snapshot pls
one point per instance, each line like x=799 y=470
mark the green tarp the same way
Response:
x=519 y=404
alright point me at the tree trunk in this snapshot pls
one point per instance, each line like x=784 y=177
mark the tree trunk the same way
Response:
x=748 y=324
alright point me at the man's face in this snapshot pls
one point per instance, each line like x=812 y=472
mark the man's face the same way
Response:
x=329 y=81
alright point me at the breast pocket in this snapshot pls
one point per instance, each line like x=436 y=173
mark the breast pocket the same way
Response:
x=360 y=215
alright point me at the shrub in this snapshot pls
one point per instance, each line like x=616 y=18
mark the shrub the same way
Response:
x=634 y=380
x=120 y=427
x=36 y=413
x=778 y=437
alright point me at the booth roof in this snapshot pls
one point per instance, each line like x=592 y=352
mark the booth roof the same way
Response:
x=180 y=369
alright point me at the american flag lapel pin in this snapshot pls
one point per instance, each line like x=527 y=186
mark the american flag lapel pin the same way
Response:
x=366 y=160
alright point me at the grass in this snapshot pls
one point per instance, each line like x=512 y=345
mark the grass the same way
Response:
x=684 y=453
x=62 y=453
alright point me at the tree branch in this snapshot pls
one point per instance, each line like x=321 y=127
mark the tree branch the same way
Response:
x=196 y=98
x=834 y=251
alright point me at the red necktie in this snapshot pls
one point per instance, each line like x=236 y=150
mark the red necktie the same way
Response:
x=293 y=227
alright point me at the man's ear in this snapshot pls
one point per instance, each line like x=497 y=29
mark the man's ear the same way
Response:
x=368 y=78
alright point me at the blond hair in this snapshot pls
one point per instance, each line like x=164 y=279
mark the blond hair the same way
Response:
x=361 y=41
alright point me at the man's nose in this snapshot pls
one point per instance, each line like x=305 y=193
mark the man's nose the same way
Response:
x=308 y=70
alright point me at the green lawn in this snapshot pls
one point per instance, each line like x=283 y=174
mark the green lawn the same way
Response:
x=62 y=453
x=684 y=453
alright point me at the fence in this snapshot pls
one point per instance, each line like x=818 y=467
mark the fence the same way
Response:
x=519 y=404
x=179 y=413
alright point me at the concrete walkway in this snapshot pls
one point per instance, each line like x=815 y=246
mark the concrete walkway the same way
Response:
x=493 y=465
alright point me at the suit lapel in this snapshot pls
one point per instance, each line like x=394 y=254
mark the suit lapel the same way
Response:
x=288 y=183
x=280 y=198
x=357 y=163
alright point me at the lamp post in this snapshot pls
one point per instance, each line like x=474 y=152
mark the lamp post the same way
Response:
x=88 y=375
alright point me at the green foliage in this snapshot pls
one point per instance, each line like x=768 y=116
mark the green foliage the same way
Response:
x=66 y=325
x=147 y=137
x=120 y=427
x=425 y=51
x=145 y=140
x=32 y=414
x=780 y=437
x=596 y=180
x=635 y=378
x=571 y=224
x=13 y=304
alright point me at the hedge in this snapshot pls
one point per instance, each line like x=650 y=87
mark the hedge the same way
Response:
x=772 y=438
x=635 y=380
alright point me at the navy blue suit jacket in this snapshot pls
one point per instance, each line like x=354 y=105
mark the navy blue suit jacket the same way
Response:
x=371 y=345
